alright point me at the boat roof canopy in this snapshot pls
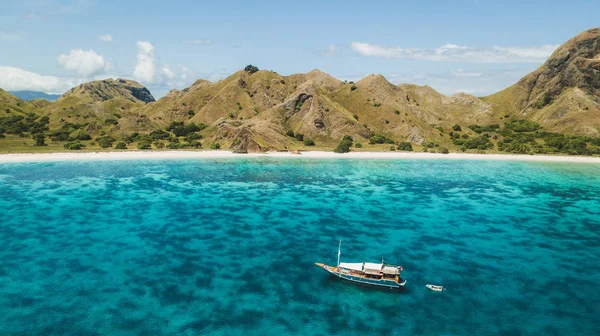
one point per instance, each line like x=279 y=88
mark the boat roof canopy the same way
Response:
x=352 y=266
x=373 y=266
x=391 y=270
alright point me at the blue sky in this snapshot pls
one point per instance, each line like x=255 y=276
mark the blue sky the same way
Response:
x=474 y=46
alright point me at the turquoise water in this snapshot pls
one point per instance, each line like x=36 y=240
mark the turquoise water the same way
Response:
x=227 y=247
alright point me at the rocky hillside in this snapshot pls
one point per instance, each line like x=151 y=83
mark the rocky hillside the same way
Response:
x=258 y=109
x=108 y=89
x=563 y=95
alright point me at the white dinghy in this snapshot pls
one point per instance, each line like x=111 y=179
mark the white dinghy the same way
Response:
x=435 y=288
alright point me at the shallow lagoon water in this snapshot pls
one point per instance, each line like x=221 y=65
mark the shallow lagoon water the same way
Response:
x=227 y=246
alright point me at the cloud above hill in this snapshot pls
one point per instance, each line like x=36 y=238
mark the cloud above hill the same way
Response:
x=84 y=63
x=15 y=79
x=456 y=53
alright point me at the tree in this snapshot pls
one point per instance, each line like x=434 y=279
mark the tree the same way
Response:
x=405 y=146
x=380 y=139
x=105 y=141
x=75 y=145
x=251 y=69
x=39 y=139
x=144 y=144
x=344 y=145
x=121 y=145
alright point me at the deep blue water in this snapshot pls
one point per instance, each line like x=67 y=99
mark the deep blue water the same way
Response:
x=227 y=247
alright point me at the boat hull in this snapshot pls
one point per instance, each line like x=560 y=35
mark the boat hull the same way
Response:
x=389 y=283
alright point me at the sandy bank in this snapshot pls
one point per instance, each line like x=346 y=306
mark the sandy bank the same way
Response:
x=142 y=155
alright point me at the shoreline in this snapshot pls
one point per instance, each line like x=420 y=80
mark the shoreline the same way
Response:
x=216 y=154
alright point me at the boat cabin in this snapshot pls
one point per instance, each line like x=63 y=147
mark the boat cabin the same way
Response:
x=371 y=270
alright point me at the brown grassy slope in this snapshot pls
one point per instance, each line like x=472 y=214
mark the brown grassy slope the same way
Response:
x=563 y=95
x=258 y=109
x=100 y=104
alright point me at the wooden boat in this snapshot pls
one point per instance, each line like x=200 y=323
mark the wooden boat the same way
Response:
x=435 y=288
x=376 y=274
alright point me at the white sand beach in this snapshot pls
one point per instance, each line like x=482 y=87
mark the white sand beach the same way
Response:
x=149 y=155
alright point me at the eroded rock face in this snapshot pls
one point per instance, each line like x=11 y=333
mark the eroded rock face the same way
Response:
x=243 y=143
x=319 y=123
x=142 y=94
x=576 y=64
x=109 y=88
x=296 y=104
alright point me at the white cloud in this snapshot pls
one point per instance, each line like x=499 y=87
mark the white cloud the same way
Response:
x=146 y=69
x=105 y=38
x=331 y=50
x=197 y=42
x=541 y=52
x=452 y=53
x=463 y=73
x=15 y=79
x=168 y=73
x=84 y=63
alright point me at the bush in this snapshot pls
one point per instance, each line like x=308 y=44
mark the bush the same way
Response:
x=40 y=139
x=74 y=145
x=111 y=122
x=489 y=128
x=482 y=143
x=215 y=145
x=522 y=125
x=173 y=145
x=159 y=135
x=309 y=142
x=358 y=145
x=353 y=87
x=456 y=128
x=194 y=144
x=355 y=117
x=380 y=139
x=193 y=136
x=299 y=137
x=144 y=144
x=444 y=150
x=105 y=141
x=81 y=135
x=405 y=146
x=121 y=145
x=132 y=138
x=348 y=138
x=546 y=100
x=59 y=136
x=392 y=148
x=191 y=113
x=251 y=69
x=179 y=128
x=343 y=147
x=290 y=133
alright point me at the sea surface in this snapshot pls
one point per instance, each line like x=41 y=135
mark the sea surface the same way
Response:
x=227 y=247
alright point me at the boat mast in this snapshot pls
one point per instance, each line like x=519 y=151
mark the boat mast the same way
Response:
x=339 y=253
